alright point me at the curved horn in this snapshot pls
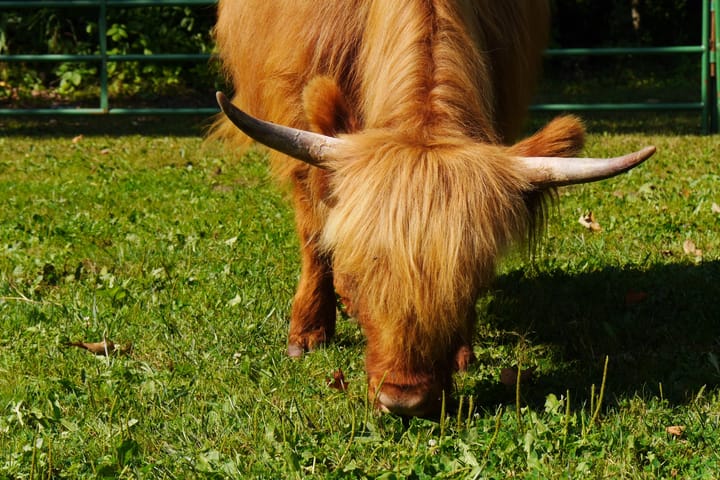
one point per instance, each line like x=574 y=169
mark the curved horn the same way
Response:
x=548 y=172
x=311 y=148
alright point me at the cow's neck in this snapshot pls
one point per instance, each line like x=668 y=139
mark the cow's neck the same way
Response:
x=422 y=71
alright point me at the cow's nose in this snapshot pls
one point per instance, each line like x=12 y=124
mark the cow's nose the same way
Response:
x=410 y=400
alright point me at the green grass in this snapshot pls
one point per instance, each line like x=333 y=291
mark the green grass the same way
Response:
x=147 y=237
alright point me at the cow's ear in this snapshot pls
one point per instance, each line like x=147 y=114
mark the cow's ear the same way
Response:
x=326 y=109
x=564 y=136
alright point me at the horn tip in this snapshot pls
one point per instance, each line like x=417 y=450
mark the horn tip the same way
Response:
x=222 y=99
x=647 y=152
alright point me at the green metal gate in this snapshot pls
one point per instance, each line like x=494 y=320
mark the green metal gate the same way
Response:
x=708 y=50
x=103 y=58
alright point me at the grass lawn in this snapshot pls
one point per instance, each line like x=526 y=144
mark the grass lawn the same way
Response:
x=185 y=256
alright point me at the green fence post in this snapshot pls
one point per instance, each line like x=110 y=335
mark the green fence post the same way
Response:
x=705 y=69
x=102 y=31
x=715 y=18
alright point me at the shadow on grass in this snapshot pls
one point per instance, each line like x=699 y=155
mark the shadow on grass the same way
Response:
x=90 y=125
x=648 y=123
x=660 y=328
x=628 y=122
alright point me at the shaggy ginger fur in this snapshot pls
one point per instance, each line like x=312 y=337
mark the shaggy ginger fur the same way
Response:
x=407 y=222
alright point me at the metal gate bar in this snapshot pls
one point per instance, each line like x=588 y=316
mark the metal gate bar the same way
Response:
x=713 y=63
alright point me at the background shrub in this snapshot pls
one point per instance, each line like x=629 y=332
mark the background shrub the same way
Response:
x=139 y=30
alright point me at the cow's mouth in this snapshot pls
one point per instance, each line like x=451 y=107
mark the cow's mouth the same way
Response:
x=422 y=400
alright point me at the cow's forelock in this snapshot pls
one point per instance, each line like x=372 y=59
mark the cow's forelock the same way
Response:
x=418 y=228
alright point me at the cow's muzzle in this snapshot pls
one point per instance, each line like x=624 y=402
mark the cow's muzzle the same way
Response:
x=418 y=400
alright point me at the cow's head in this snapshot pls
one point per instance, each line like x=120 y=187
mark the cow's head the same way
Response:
x=415 y=225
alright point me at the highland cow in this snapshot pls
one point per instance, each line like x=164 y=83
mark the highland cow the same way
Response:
x=394 y=122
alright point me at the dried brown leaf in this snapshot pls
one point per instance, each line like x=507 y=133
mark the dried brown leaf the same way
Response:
x=338 y=381
x=104 y=348
x=588 y=221
x=509 y=376
x=690 y=249
x=633 y=298
x=715 y=208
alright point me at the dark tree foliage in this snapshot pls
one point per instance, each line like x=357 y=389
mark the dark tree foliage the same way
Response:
x=593 y=23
